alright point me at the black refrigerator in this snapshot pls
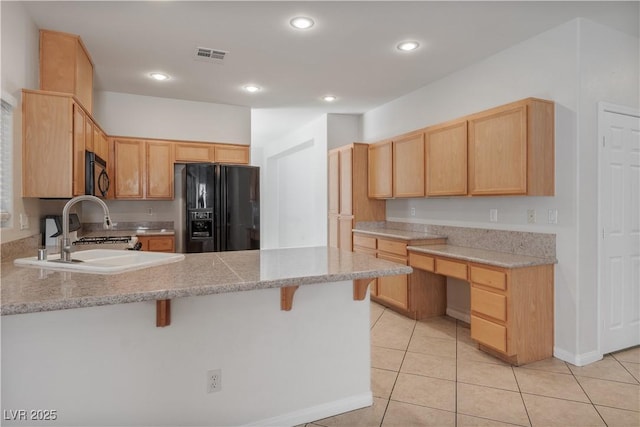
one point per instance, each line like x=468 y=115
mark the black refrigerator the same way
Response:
x=221 y=208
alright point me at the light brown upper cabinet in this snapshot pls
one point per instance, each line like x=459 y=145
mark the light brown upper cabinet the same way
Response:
x=408 y=166
x=65 y=66
x=223 y=153
x=53 y=144
x=129 y=160
x=100 y=143
x=446 y=159
x=143 y=169
x=193 y=152
x=381 y=170
x=187 y=152
x=511 y=149
x=159 y=169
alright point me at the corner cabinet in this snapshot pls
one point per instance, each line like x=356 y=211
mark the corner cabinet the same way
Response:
x=143 y=169
x=53 y=144
x=348 y=201
x=511 y=150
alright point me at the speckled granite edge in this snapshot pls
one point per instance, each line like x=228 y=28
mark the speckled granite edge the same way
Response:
x=400 y=234
x=542 y=245
x=483 y=256
x=127 y=226
x=24 y=290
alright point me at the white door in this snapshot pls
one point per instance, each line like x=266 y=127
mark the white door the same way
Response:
x=619 y=216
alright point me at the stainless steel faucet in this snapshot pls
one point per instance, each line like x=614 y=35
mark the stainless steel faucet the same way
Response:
x=65 y=244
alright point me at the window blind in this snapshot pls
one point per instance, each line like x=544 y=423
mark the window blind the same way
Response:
x=6 y=161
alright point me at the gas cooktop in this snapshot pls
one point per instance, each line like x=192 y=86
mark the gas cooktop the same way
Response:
x=102 y=240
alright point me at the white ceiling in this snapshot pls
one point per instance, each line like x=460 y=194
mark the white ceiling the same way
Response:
x=350 y=52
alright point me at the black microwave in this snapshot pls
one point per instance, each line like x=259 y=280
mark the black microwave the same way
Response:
x=96 y=177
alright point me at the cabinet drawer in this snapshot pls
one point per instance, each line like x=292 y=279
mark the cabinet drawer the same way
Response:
x=363 y=250
x=364 y=241
x=489 y=303
x=423 y=262
x=451 y=268
x=489 y=333
x=484 y=276
x=391 y=246
x=393 y=258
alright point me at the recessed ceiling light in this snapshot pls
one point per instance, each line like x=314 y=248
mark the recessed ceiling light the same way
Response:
x=329 y=98
x=159 y=76
x=301 y=22
x=252 y=88
x=408 y=46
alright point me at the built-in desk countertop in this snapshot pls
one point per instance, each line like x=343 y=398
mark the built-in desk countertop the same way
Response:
x=482 y=256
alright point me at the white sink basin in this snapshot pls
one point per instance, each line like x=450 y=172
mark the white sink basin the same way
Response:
x=103 y=261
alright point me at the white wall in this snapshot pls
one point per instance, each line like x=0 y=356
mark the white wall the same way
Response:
x=293 y=187
x=19 y=68
x=343 y=129
x=124 y=114
x=559 y=65
x=110 y=365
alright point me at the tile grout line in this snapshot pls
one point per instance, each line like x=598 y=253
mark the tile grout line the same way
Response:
x=624 y=367
x=526 y=410
x=398 y=373
x=587 y=394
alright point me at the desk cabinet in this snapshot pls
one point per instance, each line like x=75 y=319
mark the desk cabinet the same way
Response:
x=511 y=309
x=512 y=312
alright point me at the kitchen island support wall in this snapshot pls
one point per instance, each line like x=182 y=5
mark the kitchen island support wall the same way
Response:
x=109 y=365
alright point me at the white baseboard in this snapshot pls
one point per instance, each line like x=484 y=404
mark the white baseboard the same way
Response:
x=577 y=359
x=318 y=412
x=459 y=315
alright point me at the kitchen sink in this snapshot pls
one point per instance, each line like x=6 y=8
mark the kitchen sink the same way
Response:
x=103 y=261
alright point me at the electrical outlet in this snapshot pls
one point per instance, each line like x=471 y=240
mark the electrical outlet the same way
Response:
x=493 y=215
x=24 y=222
x=214 y=380
x=150 y=211
x=413 y=211
x=553 y=216
x=531 y=216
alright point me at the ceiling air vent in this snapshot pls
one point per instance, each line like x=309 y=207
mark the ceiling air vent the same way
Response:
x=210 y=55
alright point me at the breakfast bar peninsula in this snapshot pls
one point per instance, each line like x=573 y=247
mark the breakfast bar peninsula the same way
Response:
x=286 y=331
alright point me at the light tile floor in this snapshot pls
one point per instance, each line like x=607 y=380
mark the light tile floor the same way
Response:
x=429 y=373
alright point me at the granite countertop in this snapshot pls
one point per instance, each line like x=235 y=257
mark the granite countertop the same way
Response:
x=483 y=256
x=393 y=233
x=128 y=232
x=29 y=289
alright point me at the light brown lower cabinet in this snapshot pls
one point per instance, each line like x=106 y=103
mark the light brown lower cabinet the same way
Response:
x=511 y=309
x=157 y=243
x=405 y=293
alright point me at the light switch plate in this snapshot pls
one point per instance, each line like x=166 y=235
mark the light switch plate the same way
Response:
x=553 y=216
